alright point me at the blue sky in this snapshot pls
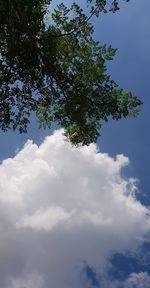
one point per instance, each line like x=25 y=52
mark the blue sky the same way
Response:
x=129 y=31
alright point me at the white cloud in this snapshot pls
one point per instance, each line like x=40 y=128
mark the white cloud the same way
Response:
x=61 y=206
x=45 y=219
x=33 y=280
x=138 y=280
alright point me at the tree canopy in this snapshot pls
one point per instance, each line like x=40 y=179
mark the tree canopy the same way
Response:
x=51 y=65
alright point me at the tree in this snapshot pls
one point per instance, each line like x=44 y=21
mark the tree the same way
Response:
x=55 y=69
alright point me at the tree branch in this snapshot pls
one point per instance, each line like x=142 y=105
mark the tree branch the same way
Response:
x=77 y=28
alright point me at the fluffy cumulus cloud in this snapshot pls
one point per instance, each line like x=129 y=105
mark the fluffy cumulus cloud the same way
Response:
x=64 y=208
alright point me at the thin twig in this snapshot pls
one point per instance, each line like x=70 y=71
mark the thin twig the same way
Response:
x=77 y=28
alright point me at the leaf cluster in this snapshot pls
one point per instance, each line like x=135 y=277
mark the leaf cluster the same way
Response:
x=57 y=70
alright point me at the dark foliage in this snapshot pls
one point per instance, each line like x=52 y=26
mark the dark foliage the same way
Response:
x=54 y=68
